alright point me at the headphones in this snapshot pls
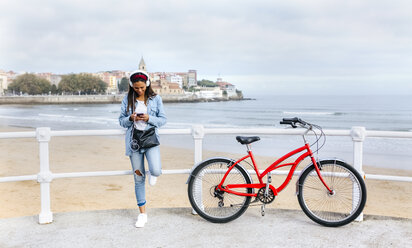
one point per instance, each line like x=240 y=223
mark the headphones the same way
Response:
x=140 y=72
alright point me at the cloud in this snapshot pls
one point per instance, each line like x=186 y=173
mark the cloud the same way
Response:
x=296 y=38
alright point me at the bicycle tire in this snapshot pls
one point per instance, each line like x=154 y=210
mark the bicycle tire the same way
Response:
x=201 y=191
x=339 y=208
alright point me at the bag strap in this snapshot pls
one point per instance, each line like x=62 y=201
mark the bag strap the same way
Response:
x=133 y=109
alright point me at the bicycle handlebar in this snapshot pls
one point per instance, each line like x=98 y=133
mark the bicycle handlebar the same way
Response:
x=293 y=121
x=309 y=127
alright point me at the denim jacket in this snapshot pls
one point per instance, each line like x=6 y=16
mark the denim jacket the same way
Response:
x=157 y=118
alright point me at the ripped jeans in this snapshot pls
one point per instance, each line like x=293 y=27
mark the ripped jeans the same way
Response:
x=155 y=168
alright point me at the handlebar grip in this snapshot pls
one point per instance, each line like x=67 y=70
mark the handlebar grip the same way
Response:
x=295 y=119
x=285 y=122
x=288 y=122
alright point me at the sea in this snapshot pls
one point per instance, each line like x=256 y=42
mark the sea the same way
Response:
x=386 y=113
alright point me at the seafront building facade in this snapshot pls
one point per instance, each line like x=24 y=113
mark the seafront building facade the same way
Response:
x=3 y=83
x=5 y=79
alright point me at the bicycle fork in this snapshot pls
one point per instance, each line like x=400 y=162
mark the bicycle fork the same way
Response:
x=317 y=169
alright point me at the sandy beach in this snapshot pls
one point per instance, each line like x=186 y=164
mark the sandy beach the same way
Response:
x=93 y=153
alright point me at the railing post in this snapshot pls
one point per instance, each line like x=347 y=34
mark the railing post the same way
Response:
x=358 y=136
x=198 y=134
x=45 y=176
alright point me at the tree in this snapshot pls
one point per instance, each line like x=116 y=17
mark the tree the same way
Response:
x=82 y=83
x=124 y=84
x=206 y=83
x=53 y=89
x=31 y=84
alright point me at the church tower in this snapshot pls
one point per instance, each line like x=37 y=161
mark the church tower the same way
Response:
x=142 y=65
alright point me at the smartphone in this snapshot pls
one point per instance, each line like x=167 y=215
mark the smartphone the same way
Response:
x=139 y=114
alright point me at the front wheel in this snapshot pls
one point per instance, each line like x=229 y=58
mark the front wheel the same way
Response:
x=336 y=208
x=211 y=203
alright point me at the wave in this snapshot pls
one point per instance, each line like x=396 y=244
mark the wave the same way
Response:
x=16 y=117
x=50 y=115
x=298 y=113
x=190 y=124
x=63 y=119
x=75 y=118
x=65 y=109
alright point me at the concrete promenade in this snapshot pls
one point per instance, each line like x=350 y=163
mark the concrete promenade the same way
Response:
x=179 y=228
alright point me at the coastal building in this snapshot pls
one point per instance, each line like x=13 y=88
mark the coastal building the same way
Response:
x=208 y=92
x=226 y=87
x=105 y=77
x=52 y=78
x=3 y=83
x=112 y=88
x=191 y=78
x=6 y=78
x=163 y=87
x=45 y=75
x=112 y=79
x=183 y=79
x=165 y=83
x=55 y=79
x=11 y=75
x=177 y=80
x=222 y=89
x=142 y=65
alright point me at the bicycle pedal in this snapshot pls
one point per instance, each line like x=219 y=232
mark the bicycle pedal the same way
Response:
x=262 y=210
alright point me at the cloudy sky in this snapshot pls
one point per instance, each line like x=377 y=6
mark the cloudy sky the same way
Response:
x=293 y=46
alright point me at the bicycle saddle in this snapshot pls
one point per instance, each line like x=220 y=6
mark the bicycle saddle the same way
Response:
x=247 y=140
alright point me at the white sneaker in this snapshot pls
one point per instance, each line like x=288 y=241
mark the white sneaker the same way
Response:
x=141 y=220
x=152 y=179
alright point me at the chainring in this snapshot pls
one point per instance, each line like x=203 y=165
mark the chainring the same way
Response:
x=265 y=199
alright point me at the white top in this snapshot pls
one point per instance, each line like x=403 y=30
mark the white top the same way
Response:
x=141 y=108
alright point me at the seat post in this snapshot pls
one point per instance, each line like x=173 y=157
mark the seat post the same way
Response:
x=249 y=148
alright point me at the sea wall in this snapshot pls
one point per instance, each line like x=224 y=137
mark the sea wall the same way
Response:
x=60 y=99
x=83 y=99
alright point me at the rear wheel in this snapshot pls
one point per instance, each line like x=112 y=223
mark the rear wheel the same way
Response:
x=209 y=202
x=338 y=208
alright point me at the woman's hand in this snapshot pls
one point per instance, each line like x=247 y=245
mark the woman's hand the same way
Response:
x=142 y=117
x=132 y=117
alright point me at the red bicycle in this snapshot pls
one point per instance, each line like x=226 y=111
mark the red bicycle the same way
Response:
x=330 y=192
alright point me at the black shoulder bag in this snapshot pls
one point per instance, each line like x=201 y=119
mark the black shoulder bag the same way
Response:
x=143 y=138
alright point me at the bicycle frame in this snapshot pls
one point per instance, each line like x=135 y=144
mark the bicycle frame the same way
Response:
x=276 y=165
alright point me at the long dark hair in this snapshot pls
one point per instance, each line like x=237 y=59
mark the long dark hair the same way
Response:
x=131 y=95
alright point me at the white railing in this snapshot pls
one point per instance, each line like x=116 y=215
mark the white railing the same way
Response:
x=45 y=176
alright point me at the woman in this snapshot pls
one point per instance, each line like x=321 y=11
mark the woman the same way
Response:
x=142 y=109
